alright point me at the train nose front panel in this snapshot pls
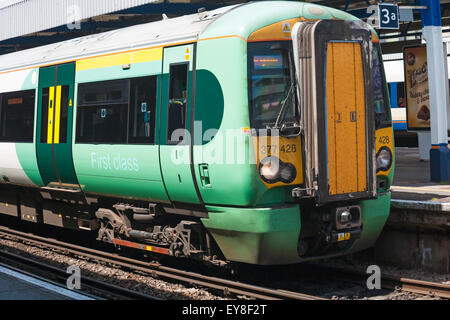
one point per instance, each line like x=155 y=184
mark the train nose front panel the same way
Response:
x=333 y=67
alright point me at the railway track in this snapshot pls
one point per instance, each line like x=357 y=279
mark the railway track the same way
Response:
x=389 y=282
x=99 y=288
x=153 y=269
x=218 y=284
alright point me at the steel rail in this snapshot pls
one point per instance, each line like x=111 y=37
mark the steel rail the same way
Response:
x=417 y=286
x=391 y=282
x=156 y=270
x=88 y=283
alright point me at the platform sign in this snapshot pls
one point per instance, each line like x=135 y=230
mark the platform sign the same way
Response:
x=388 y=15
x=416 y=87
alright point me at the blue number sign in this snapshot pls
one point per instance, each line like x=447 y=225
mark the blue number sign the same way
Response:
x=388 y=15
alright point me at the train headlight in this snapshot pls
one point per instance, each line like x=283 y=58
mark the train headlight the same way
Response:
x=272 y=170
x=288 y=173
x=269 y=169
x=345 y=217
x=384 y=159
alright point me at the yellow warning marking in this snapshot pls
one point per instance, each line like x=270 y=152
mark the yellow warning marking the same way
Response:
x=148 y=248
x=187 y=54
x=57 y=115
x=51 y=96
x=245 y=130
x=343 y=236
x=287 y=30
x=120 y=59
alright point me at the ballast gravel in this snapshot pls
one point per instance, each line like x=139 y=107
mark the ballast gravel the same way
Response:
x=109 y=273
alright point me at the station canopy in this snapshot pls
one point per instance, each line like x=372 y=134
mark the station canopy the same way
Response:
x=29 y=23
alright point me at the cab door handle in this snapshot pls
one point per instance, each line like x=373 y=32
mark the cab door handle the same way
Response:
x=204 y=175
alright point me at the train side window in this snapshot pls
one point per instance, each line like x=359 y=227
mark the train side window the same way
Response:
x=401 y=95
x=44 y=116
x=142 y=110
x=17 y=116
x=177 y=109
x=382 y=113
x=102 y=112
x=64 y=114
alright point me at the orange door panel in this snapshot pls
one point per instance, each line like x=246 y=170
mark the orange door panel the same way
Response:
x=346 y=119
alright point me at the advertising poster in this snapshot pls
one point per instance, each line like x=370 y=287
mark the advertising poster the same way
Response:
x=416 y=88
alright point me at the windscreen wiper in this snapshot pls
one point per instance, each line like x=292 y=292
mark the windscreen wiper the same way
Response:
x=282 y=112
x=295 y=129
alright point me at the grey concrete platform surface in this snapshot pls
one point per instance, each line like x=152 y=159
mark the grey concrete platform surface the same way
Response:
x=15 y=285
x=412 y=179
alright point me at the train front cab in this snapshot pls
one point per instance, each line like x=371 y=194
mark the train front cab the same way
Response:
x=329 y=161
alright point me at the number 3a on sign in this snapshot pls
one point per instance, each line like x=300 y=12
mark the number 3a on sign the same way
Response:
x=383 y=16
x=388 y=16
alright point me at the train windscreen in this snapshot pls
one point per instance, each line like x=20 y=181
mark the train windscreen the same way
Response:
x=272 y=93
x=382 y=114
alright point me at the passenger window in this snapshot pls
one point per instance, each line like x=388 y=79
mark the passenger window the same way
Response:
x=401 y=95
x=177 y=109
x=64 y=113
x=382 y=113
x=102 y=112
x=142 y=110
x=17 y=116
x=44 y=114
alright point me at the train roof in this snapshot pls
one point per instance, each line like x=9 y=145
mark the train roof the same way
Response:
x=216 y=23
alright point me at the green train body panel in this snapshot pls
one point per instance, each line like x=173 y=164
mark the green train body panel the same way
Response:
x=374 y=216
x=26 y=152
x=125 y=170
x=232 y=179
x=256 y=235
x=269 y=236
x=175 y=159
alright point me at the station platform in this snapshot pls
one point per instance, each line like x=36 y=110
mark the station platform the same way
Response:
x=412 y=179
x=19 y=285
x=416 y=235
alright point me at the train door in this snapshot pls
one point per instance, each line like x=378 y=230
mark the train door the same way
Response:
x=334 y=56
x=175 y=140
x=54 y=129
x=346 y=118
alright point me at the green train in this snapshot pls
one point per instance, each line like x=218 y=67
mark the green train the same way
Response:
x=257 y=133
